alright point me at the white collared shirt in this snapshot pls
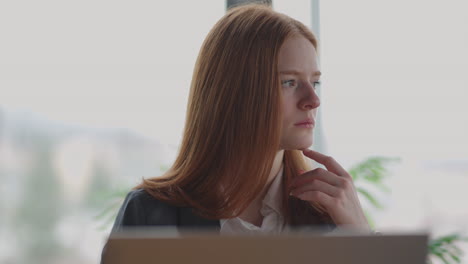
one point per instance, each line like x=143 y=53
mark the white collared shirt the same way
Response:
x=273 y=220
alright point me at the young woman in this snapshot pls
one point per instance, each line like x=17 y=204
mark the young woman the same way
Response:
x=242 y=166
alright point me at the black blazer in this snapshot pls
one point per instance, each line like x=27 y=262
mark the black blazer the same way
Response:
x=140 y=209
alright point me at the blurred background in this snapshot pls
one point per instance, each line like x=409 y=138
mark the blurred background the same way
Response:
x=93 y=97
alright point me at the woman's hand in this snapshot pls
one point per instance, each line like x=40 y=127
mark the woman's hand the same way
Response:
x=333 y=189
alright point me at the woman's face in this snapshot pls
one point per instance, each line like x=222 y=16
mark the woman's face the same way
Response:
x=298 y=72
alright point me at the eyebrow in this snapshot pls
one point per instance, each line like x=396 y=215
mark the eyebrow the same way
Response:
x=294 y=72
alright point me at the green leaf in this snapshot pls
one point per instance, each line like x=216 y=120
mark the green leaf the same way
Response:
x=369 y=197
x=441 y=256
x=455 y=257
x=383 y=187
x=369 y=219
x=456 y=249
x=444 y=247
x=371 y=169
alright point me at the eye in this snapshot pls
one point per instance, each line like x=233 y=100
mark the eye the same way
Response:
x=289 y=83
x=316 y=84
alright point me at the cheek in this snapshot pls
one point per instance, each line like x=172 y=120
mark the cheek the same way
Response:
x=288 y=112
x=287 y=120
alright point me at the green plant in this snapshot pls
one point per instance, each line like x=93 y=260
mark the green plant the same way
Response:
x=373 y=171
x=445 y=248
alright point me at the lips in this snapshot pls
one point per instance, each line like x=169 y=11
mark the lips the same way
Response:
x=308 y=121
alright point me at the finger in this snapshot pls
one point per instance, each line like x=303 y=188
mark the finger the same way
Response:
x=320 y=174
x=328 y=161
x=316 y=185
x=318 y=197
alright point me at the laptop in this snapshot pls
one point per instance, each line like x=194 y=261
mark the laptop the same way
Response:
x=174 y=246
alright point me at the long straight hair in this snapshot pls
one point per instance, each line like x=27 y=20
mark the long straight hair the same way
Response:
x=233 y=121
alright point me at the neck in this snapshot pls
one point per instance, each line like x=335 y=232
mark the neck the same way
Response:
x=274 y=169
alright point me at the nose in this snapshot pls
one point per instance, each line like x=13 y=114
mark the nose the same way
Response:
x=309 y=100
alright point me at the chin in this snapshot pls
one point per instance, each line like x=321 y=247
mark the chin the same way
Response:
x=299 y=145
x=305 y=146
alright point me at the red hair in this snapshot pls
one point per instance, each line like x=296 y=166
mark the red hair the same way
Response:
x=233 y=121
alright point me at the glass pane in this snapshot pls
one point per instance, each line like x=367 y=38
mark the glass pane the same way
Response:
x=395 y=84
x=93 y=98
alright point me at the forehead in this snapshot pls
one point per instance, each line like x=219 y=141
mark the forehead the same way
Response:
x=297 y=53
